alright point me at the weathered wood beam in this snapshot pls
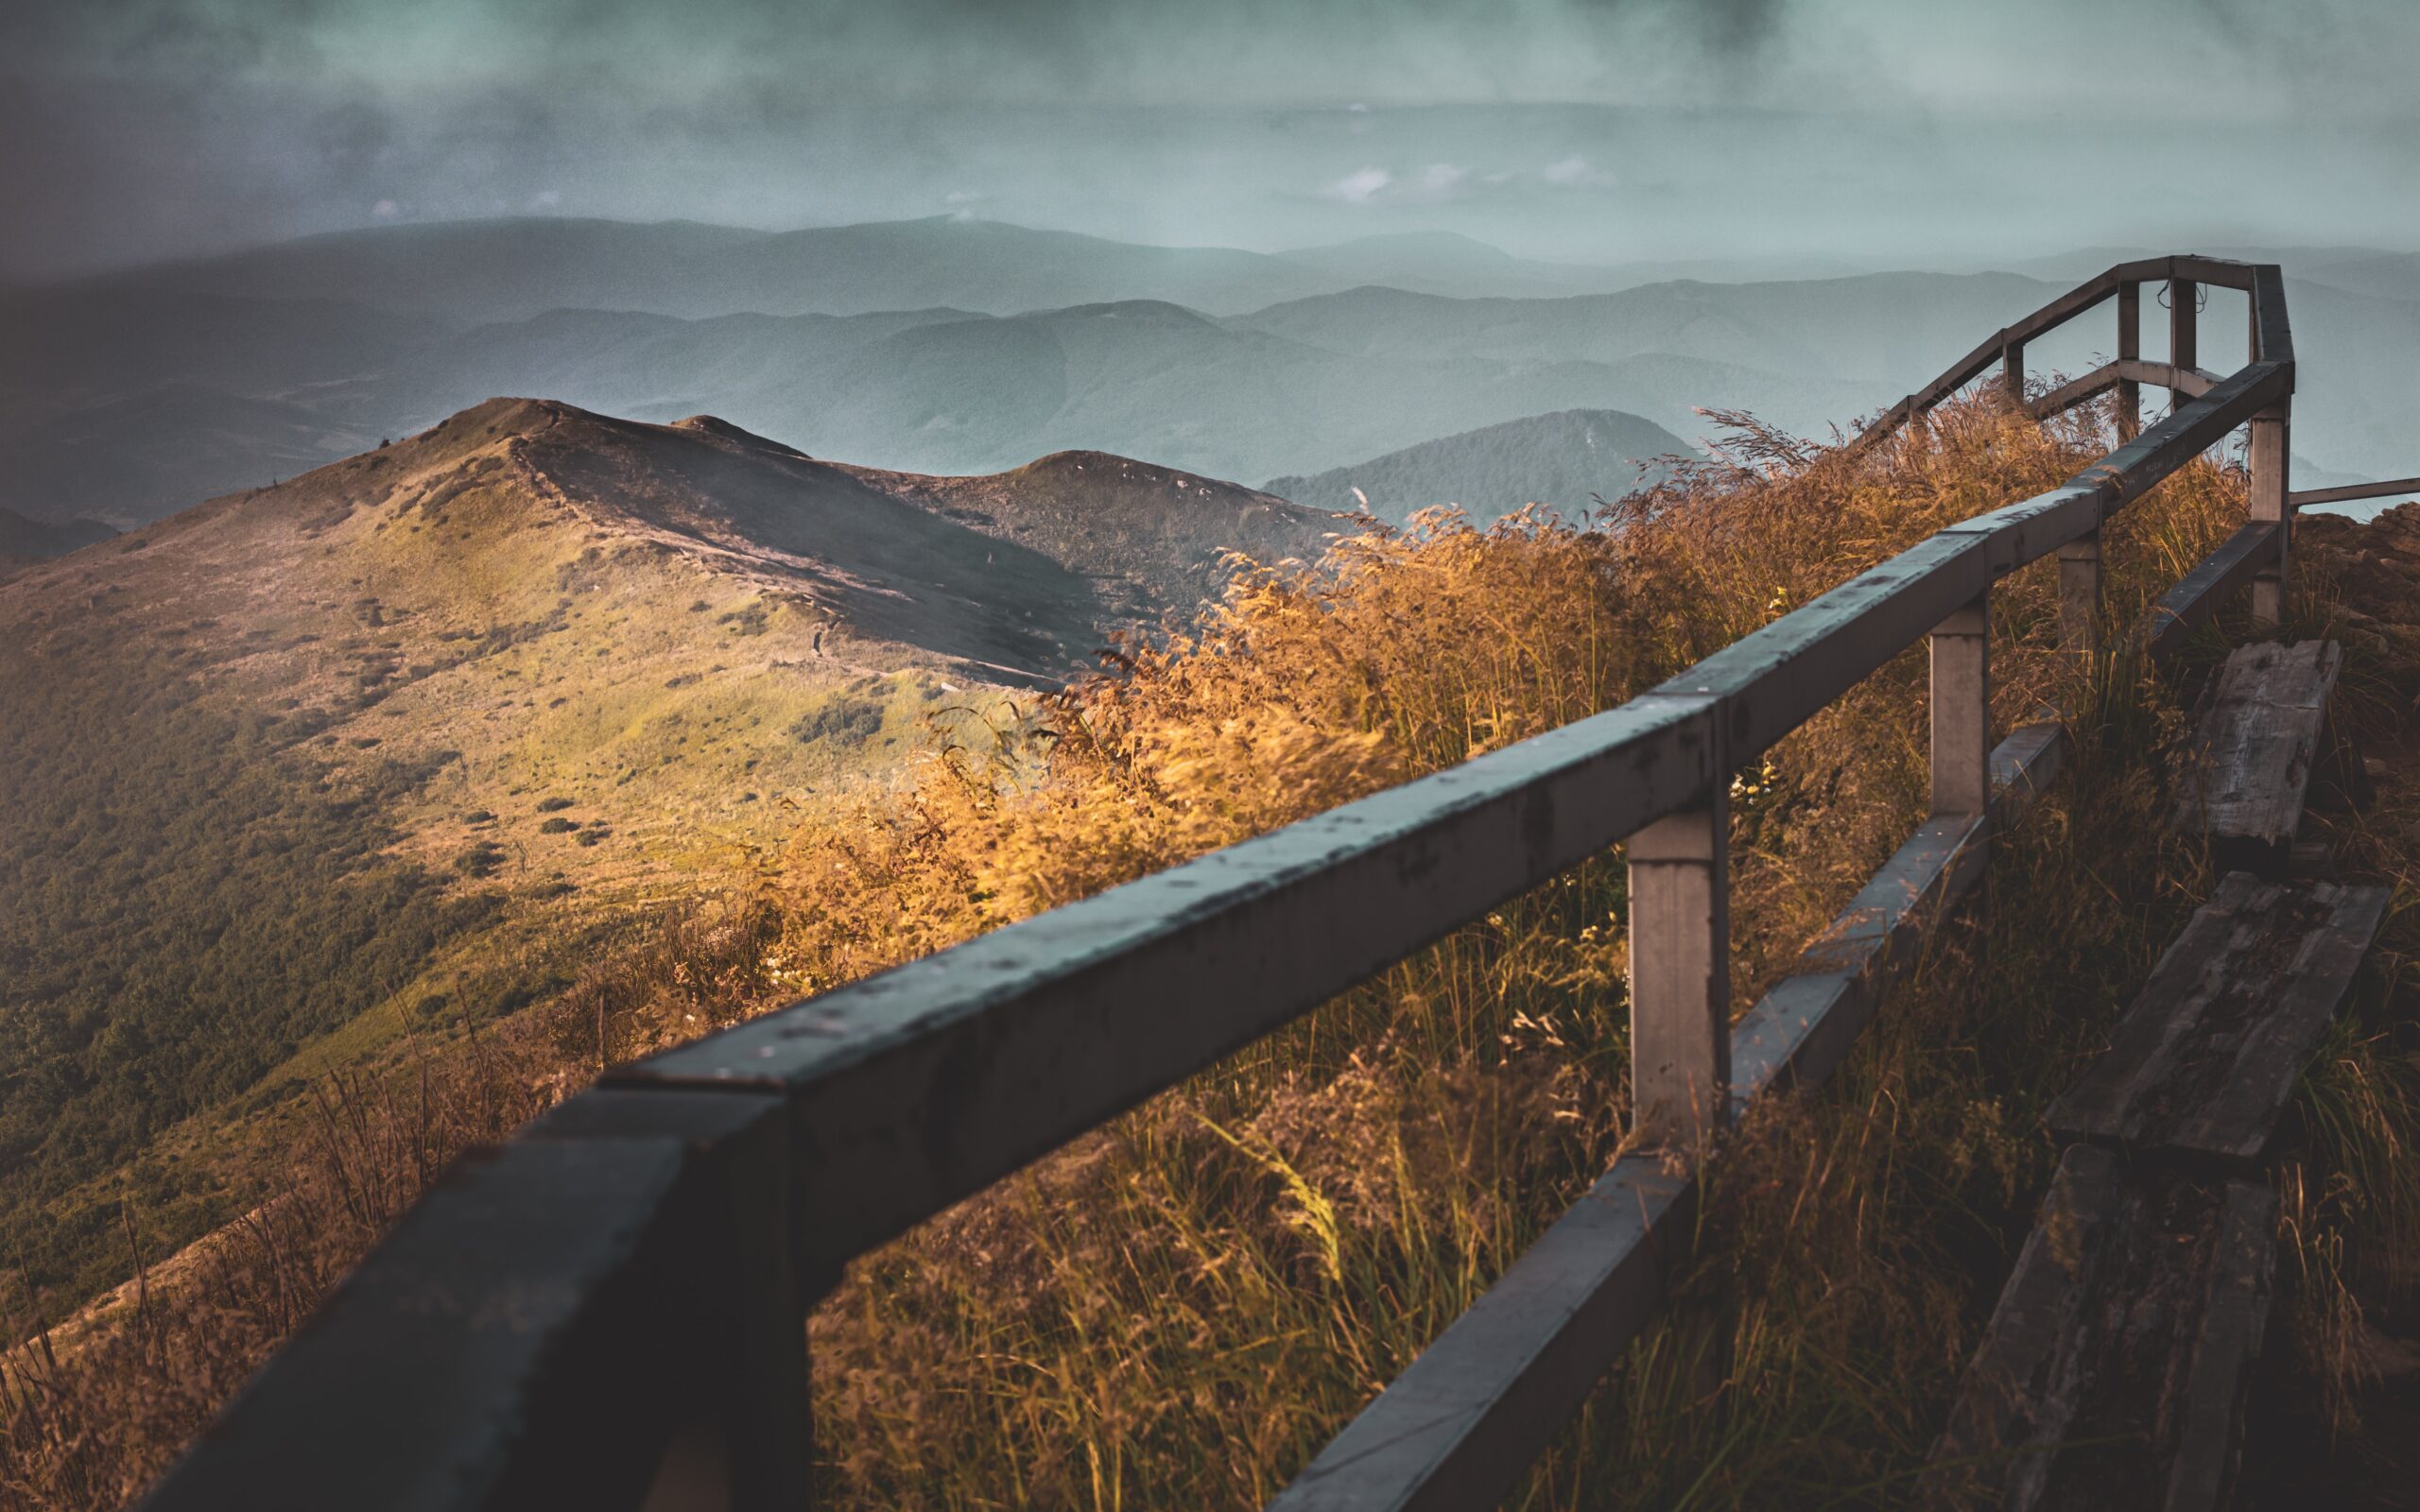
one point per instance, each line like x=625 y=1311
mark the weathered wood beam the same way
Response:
x=1680 y=976
x=1961 y=720
x=539 y=1328
x=1796 y=1033
x=2200 y=1068
x=2112 y=1372
x=2257 y=745
x=2194 y=381
x=2270 y=457
x=2129 y=349
x=2188 y=606
x=2354 y=491
x=2269 y=305
x=2184 y=336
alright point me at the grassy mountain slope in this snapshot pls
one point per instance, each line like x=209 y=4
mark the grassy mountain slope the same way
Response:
x=305 y=771
x=1560 y=459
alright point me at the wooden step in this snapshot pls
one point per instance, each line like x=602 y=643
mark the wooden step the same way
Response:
x=2113 y=1371
x=2258 y=742
x=2201 y=1066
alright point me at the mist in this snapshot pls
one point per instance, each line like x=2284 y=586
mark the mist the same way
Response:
x=1783 y=135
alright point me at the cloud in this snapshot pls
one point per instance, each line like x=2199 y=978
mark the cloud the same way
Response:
x=1576 y=172
x=1358 y=187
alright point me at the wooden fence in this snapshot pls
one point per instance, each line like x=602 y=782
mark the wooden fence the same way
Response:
x=609 y=1311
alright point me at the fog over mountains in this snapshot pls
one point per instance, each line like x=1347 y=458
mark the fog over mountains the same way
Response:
x=952 y=345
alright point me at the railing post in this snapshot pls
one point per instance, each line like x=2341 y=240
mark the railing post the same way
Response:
x=2013 y=372
x=2079 y=596
x=1680 y=974
x=2272 y=438
x=2129 y=349
x=2184 y=333
x=1962 y=709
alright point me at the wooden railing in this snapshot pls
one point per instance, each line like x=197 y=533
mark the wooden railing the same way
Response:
x=609 y=1311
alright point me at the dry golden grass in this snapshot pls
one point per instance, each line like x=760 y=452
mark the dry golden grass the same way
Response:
x=1180 y=1308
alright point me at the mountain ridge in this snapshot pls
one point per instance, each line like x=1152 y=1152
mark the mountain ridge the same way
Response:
x=383 y=749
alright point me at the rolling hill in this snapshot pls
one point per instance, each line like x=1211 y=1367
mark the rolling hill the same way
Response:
x=1562 y=460
x=379 y=751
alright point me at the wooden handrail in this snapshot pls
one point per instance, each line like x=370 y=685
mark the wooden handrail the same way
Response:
x=2356 y=491
x=740 y=1172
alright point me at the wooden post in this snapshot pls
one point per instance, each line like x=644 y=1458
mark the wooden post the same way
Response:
x=2272 y=438
x=1680 y=975
x=2080 y=596
x=2129 y=349
x=2184 y=333
x=1962 y=709
x=2013 y=372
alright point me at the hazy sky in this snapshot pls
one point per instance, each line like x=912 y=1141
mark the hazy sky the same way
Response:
x=1872 y=131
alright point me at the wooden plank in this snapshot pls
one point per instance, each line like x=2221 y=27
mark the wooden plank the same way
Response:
x=1771 y=680
x=2355 y=490
x=1679 y=978
x=532 y=1334
x=2201 y=1064
x=2137 y=467
x=1464 y=1420
x=2114 y=1370
x=2235 y=1318
x=2197 y=596
x=2068 y=395
x=2256 y=747
x=2017 y=1400
x=2276 y=342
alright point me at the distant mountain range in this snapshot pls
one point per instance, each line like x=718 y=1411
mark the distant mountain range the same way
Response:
x=966 y=347
x=377 y=750
x=26 y=540
x=489 y=270
x=1565 y=460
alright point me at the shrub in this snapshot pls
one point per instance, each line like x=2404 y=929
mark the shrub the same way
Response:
x=844 y=721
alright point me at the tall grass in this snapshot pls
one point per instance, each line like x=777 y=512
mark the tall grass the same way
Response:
x=1182 y=1309
x=1179 y=1309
